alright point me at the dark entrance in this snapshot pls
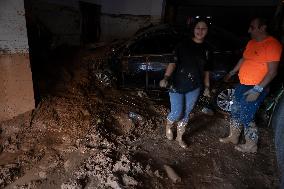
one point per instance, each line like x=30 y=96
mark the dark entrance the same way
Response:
x=90 y=22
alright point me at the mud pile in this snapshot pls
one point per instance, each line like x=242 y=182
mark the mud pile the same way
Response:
x=79 y=133
x=85 y=135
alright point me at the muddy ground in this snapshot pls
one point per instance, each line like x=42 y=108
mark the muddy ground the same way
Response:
x=80 y=136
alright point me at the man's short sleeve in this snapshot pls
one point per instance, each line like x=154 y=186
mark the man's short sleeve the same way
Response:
x=273 y=51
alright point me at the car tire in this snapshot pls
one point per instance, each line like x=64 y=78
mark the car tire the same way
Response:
x=105 y=78
x=224 y=99
x=278 y=126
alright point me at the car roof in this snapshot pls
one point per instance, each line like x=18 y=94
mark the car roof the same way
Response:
x=218 y=38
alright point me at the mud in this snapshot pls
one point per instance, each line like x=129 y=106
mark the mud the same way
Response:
x=81 y=136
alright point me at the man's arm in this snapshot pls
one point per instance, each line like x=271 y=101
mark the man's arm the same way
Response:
x=234 y=70
x=237 y=67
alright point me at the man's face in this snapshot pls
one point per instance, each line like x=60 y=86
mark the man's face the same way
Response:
x=254 y=29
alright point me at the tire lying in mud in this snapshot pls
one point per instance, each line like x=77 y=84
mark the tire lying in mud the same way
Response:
x=278 y=126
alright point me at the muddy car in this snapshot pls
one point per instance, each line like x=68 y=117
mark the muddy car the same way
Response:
x=140 y=62
x=146 y=55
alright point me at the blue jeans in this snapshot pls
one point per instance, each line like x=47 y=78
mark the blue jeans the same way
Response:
x=182 y=104
x=242 y=111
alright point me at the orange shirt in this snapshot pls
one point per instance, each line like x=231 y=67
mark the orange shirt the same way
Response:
x=256 y=56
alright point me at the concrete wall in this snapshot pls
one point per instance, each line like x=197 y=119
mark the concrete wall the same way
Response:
x=13 y=35
x=119 y=19
x=16 y=89
x=63 y=22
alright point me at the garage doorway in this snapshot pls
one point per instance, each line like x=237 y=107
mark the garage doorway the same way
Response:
x=91 y=27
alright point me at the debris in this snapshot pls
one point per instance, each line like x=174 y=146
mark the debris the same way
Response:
x=129 y=181
x=141 y=94
x=172 y=174
x=99 y=121
x=207 y=111
x=42 y=174
x=135 y=116
x=157 y=174
x=86 y=113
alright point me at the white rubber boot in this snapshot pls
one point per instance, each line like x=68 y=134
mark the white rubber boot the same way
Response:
x=180 y=132
x=235 y=131
x=251 y=136
x=169 y=132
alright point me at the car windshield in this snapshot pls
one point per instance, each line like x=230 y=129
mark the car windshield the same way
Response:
x=154 y=44
x=220 y=39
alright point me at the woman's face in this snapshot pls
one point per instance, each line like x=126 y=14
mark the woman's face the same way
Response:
x=200 y=31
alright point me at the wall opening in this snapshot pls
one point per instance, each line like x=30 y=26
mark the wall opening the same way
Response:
x=90 y=25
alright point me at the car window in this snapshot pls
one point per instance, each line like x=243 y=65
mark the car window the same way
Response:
x=154 y=44
x=146 y=45
x=221 y=39
x=167 y=43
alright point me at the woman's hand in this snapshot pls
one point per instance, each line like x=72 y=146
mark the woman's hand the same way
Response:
x=164 y=83
x=206 y=92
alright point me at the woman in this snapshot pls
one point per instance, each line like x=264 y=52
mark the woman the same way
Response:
x=188 y=73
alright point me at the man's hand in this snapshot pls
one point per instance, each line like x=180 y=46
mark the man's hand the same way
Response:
x=252 y=95
x=206 y=92
x=164 y=83
x=228 y=76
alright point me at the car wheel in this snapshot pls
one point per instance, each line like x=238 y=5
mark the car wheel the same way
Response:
x=104 y=78
x=224 y=99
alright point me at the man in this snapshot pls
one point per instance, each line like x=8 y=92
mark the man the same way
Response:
x=256 y=69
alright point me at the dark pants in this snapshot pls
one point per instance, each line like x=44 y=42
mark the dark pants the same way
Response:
x=243 y=112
